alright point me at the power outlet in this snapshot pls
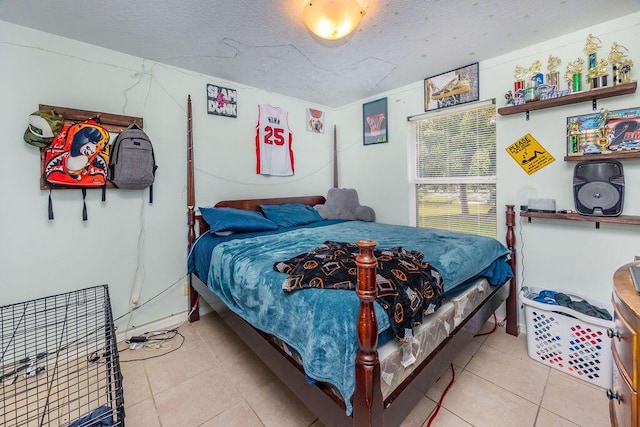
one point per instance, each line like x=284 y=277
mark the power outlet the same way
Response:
x=186 y=289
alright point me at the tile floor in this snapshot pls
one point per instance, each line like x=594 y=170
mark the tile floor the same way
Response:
x=215 y=380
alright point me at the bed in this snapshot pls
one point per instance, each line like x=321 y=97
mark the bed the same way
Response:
x=372 y=385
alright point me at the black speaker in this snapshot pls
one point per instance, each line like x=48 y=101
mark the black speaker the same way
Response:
x=598 y=188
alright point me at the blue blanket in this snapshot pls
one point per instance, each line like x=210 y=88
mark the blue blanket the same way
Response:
x=320 y=324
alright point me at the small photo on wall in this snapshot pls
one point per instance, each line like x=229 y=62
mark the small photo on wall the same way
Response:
x=315 y=120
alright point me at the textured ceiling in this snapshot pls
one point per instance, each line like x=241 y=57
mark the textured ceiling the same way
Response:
x=263 y=43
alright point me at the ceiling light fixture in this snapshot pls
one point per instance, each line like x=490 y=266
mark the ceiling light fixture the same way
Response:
x=332 y=19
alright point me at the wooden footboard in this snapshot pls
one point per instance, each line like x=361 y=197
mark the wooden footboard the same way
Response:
x=367 y=399
x=369 y=407
x=512 y=300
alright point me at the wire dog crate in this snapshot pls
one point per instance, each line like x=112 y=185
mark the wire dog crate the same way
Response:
x=59 y=362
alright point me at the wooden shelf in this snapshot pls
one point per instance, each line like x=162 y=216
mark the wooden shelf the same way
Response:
x=574 y=98
x=622 y=219
x=634 y=154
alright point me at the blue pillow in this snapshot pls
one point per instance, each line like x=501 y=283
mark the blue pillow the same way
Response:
x=231 y=219
x=292 y=214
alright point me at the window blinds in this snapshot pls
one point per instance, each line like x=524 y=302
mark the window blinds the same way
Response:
x=455 y=170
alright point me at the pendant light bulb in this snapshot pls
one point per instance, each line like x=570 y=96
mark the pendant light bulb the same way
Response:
x=332 y=19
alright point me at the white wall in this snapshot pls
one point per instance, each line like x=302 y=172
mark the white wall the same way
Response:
x=379 y=171
x=131 y=245
x=136 y=247
x=572 y=256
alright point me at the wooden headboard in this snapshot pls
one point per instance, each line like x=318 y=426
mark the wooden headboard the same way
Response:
x=254 y=204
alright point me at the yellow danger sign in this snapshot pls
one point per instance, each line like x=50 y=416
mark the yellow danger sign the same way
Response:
x=530 y=155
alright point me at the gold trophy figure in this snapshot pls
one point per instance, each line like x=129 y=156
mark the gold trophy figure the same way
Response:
x=616 y=56
x=553 y=76
x=590 y=48
x=574 y=138
x=573 y=75
x=620 y=65
x=519 y=74
x=625 y=71
x=592 y=45
x=535 y=77
x=535 y=68
x=603 y=131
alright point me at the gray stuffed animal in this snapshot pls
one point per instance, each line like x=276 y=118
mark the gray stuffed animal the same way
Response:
x=342 y=203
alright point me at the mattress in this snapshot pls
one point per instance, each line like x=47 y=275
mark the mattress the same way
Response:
x=467 y=301
x=398 y=360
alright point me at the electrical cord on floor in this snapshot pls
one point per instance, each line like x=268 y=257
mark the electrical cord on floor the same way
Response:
x=155 y=343
x=444 y=393
x=151 y=341
x=522 y=259
x=155 y=340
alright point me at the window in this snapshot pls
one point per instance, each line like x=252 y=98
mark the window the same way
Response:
x=454 y=163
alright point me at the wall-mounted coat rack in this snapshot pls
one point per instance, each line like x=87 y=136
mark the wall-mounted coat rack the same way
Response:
x=114 y=123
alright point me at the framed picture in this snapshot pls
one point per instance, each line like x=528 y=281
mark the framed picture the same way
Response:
x=454 y=87
x=374 y=122
x=222 y=101
x=603 y=132
x=315 y=120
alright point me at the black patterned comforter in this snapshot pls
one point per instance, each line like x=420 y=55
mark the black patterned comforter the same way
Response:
x=409 y=288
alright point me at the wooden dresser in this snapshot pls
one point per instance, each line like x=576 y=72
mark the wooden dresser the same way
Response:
x=623 y=405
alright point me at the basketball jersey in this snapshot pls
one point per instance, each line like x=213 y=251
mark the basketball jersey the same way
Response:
x=273 y=142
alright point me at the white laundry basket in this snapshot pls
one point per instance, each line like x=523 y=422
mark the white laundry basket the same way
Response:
x=567 y=340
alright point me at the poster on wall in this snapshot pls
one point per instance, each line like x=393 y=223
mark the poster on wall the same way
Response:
x=454 y=87
x=374 y=122
x=315 y=120
x=530 y=154
x=222 y=101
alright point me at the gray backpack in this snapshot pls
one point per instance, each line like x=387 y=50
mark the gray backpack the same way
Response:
x=132 y=164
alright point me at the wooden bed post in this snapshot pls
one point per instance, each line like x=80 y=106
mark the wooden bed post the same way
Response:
x=512 y=300
x=367 y=399
x=191 y=215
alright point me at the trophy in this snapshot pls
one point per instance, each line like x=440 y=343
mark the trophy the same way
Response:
x=536 y=75
x=573 y=75
x=531 y=92
x=574 y=138
x=602 y=133
x=597 y=74
x=519 y=75
x=553 y=76
x=620 y=65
